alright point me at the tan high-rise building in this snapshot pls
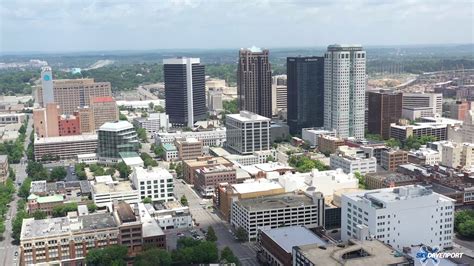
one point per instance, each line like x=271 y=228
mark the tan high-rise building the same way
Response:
x=189 y=149
x=70 y=94
x=104 y=109
x=45 y=121
x=254 y=81
x=101 y=110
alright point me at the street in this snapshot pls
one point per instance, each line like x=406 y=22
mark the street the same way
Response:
x=205 y=217
x=7 y=246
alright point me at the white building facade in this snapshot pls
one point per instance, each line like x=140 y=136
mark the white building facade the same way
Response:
x=154 y=183
x=312 y=134
x=155 y=122
x=401 y=216
x=215 y=137
x=248 y=132
x=344 y=90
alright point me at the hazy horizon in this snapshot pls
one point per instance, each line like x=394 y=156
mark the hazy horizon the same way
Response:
x=63 y=26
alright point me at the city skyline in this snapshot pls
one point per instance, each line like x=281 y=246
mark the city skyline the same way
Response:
x=118 y=25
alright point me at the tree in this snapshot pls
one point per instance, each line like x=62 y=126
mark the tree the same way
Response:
x=123 y=169
x=241 y=234
x=151 y=106
x=17 y=223
x=227 y=256
x=393 y=143
x=179 y=170
x=122 y=117
x=80 y=169
x=159 y=151
x=62 y=210
x=361 y=179
x=153 y=257
x=147 y=160
x=305 y=164
x=270 y=159
x=466 y=229
x=141 y=132
x=39 y=215
x=147 y=200
x=190 y=251
x=464 y=223
x=36 y=171
x=144 y=114
x=110 y=255
x=211 y=234
x=24 y=190
x=159 y=109
x=230 y=107
x=91 y=207
x=110 y=171
x=184 y=200
x=58 y=173
x=11 y=173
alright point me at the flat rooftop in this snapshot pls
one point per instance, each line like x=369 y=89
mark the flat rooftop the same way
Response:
x=152 y=173
x=377 y=254
x=116 y=126
x=245 y=116
x=115 y=187
x=256 y=186
x=62 y=139
x=150 y=226
x=206 y=161
x=280 y=201
x=288 y=237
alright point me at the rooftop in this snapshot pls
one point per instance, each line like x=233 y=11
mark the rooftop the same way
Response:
x=246 y=116
x=152 y=173
x=215 y=169
x=256 y=186
x=125 y=212
x=115 y=187
x=204 y=161
x=116 y=126
x=150 y=226
x=104 y=179
x=180 y=61
x=49 y=199
x=169 y=147
x=62 y=139
x=288 y=237
x=376 y=252
x=280 y=201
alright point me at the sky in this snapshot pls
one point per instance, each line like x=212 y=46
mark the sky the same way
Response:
x=104 y=25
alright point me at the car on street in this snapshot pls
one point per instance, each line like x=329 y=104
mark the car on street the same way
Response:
x=16 y=253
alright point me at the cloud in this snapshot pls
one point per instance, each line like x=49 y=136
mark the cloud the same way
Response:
x=52 y=25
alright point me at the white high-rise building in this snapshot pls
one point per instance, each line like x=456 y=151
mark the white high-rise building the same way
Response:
x=155 y=183
x=344 y=90
x=400 y=216
x=247 y=132
x=47 y=85
x=428 y=104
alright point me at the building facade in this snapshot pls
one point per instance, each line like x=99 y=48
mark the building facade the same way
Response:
x=104 y=109
x=115 y=138
x=391 y=159
x=69 y=125
x=305 y=92
x=389 y=215
x=434 y=101
x=247 y=132
x=277 y=211
x=344 y=90
x=190 y=166
x=254 y=81
x=45 y=121
x=154 y=183
x=214 y=137
x=207 y=178
x=189 y=149
x=67 y=147
x=184 y=90
x=70 y=94
x=384 y=108
x=352 y=160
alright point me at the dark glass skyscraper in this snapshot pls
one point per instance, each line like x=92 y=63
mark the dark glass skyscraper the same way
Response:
x=385 y=107
x=254 y=81
x=305 y=87
x=184 y=91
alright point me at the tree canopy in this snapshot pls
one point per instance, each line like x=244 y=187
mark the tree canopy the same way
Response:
x=110 y=255
x=305 y=164
x=211 y=234
x=464 y=223
x=153 y=257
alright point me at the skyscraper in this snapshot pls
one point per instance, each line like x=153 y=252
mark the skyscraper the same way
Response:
x=47 y=85
x=116 y=138
x=254 y=81
x=344 y=90
x=184 y=90
x=385 y=107
x=305 y=92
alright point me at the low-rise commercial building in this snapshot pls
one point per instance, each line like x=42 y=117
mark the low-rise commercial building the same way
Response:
x=207 y=178
x=214 y=137
x=154 y=183
x=104 y=194
x=352 y=160
x=190 y=166
x=66 y=147
x=277 y=244
x=403 y=131
x=389 y=213
x=391 y=159
x=312 y=134
x=355 y=252
x=457 y=155
x=171 y=153
x=424 y=156
x=189 y=149
x=44 y=204
x=388 y=179
x=155 y=122
x=277 y=211
x=329 y=144
x=12 y=118
x=171 y=215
